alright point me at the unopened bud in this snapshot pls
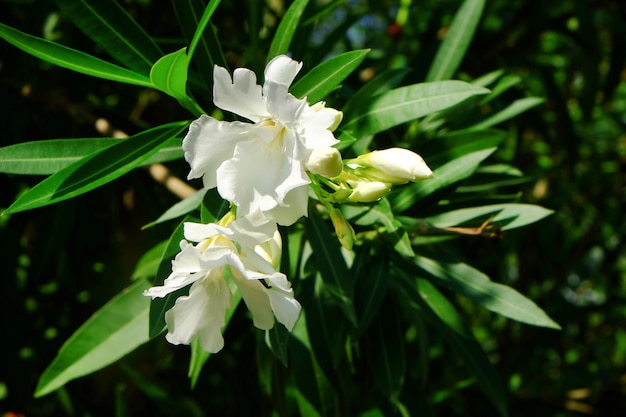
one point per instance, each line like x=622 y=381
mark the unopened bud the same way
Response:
x=368 y=191
x=325 y=161
x=394 y=165
x=345 y=232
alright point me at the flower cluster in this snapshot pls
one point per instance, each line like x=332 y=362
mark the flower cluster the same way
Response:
x=264 y=167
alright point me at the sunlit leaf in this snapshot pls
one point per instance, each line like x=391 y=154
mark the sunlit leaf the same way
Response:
x=477 y=286
x=169 y=74
x=148 y=264
x=408 y=103
x=286 y=29
x=457 y=40
x=325 y=77
x=112 y=332
x=330 y=262
x=114 y=30
x=180 y=209
x=45 y=157
x=512 y=110
x=505 y=216
x=98 y=168
x=70 y=58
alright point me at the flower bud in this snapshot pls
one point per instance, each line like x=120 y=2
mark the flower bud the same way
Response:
x=325 y=161
x=368 y=191
x=330 y=113
x=394 y=165
x=345 y=232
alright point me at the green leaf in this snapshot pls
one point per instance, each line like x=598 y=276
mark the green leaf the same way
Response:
x=45 y=157
x=112 y=332
x=70 y=58
x=458 y=38
x=506 y=216
x=286 y=29
x=444 y=176
x=453 y=145
x=325 y=77
x=198 y=37
x=181 y=208
x=388 y=359
x=97 y=169
x=277 y=339
x=372 y=281
x=383 y=82
x=452 y=327
x=408 y=103
x=329 y=260
x=148 y=264
x=475 y=285
x=114 y=30
x=169 y=74
x=512 y=110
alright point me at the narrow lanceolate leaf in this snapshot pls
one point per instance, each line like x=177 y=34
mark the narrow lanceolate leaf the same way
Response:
x=408 y=103
x=388 y=361
x=458 y=38
x=70 y=58
x=180 y=209
x=515 y=108
x=475 y=285
x=444 y=176
x=286 y=29
x=45 y=157
x=456 y=144
x=114 y=30
x=112 y=332
x=330 y=262
x=169 y=74
x=505 y=216
x=454 y=330
x=97 y=169
x=198 y=36
x=325 y=77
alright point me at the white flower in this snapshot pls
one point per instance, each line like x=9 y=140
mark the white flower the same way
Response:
x=245 y=252
x=260 y=165
x=394 y=165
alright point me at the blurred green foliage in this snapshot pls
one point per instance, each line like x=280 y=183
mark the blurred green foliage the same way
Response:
x=62 y=263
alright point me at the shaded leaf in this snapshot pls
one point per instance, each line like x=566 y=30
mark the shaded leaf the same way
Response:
x=457 y=40
x=112 y=332
x=70 y=58
x=512 y=110
x=148 y=264
x=286 y=29
x=452 y=327
x=180 y=209
x=114 y=30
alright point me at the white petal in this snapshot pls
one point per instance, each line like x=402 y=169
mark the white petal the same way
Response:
x=197 y=232
x=209 y=143
x=201 y=314
x=253 y=229
x=240 y=95
x=285 y=307
x=281 y=105
x=257 y=301
x=282 y=70
x=259 y=177
x=295 y=206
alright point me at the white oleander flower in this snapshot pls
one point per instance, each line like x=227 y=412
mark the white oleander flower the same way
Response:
x=394 y=166
x=260 y=165
x=247 y=252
